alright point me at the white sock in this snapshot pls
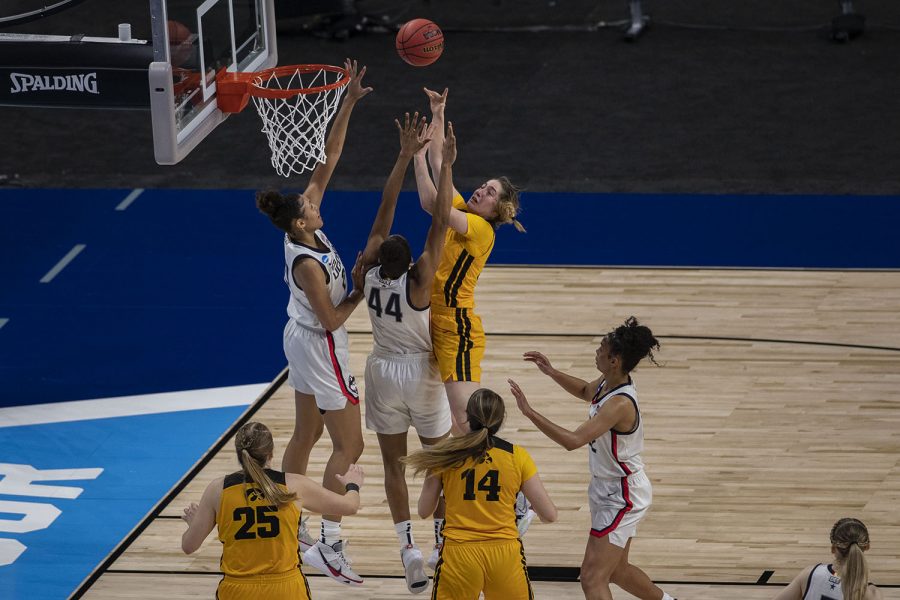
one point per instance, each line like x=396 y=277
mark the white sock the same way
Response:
x=404 y=534
x=667 y=597
x=438 y=526
x=331 y=532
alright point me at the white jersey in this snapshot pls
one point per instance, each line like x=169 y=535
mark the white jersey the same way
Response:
x=823 y=584
x=398 y=327
x=298 y=307
x=616 y=454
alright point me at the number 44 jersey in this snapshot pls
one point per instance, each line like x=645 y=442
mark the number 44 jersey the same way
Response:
x=398 y=327
x=257 y=538
x=481 y=495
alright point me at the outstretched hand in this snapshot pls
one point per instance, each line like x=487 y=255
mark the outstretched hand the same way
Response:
x=521 y=400
x=414 y=134
x=354 y=474
x=449 y=149
x=437 y=101
x=541 y=361
x=355 y=90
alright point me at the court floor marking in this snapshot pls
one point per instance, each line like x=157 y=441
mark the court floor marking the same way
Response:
x=65 y=260
x=129 y=406
x=130 y=198
x=104 y=566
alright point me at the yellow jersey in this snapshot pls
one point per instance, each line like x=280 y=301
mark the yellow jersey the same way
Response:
x=463 y=259
x=481 y=496
x=258 y=538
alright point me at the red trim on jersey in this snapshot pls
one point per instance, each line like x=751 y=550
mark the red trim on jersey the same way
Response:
x=353 y=399
x=626 y=496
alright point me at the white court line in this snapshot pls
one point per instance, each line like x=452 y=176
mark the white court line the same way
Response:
x=62 y=263
x=129 y=406
x=130 y=198
x=3 y=322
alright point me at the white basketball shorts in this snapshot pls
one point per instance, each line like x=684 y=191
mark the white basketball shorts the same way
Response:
x=318 y=364
x=404 y=390
x=618 y=505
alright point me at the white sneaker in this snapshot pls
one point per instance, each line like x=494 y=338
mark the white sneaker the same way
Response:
x=331 y=561
x=414 y=565
x=524 y=514
x=435 y=556
x=306 y=541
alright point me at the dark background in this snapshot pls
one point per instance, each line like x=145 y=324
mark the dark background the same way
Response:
x=717 y=97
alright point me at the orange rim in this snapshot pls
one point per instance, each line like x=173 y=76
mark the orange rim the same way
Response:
x=234 y=89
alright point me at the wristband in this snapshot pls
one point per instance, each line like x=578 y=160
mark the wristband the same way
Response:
x=351 y=487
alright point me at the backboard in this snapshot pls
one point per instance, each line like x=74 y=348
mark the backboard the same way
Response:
x=192 y=41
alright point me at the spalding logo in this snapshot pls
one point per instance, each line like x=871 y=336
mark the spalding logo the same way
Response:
x=25 y=82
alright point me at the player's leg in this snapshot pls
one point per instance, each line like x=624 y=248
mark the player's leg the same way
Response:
x=633 y=580
x=439 y=513
x=308 y=428
x=600 y=559
x=458 y=394
x=393 y=447
x=346 y=436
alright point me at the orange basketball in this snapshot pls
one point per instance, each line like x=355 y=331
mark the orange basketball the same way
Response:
x=420 y=42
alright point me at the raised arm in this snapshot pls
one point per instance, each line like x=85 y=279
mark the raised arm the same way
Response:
x=413 y=137
x=618 y=412
x=575 y=386
x=317 y=499
x=334 y=145
x=309 y=276
x=201 y=518
x=437 y=103
x=426 y=266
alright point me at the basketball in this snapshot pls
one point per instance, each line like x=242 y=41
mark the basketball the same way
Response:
x=420 y=42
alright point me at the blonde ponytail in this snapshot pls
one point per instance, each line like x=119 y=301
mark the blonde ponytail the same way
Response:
x=254 y=446
x=485 y=411
x=854 y=574
x=450 y=453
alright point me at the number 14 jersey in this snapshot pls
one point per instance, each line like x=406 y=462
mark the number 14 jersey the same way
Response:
x=481 y=496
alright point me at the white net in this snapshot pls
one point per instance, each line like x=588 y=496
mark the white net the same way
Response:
x=296 y=126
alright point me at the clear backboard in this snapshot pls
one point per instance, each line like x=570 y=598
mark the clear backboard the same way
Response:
x=192 y=41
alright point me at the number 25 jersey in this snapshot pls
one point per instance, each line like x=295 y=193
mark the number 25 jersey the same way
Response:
x=481 y=496
x=257 y=538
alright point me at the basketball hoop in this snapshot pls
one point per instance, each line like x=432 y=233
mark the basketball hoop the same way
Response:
x=295 y=103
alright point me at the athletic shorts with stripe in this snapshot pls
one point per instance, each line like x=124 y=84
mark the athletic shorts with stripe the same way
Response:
x=458 y=339
x=282 y=586
x=496 y=567
x=404 y=390
x=319 y=364
x=618 y=505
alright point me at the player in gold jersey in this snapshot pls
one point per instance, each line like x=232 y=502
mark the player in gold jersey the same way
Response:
x=480 y=476
x=257 y=513
x=456 y=331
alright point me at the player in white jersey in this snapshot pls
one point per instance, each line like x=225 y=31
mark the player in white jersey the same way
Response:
x=847 y=578
x=315 y=340
x=619 y=493
x=403 y=381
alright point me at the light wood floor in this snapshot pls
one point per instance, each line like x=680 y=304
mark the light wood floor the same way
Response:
x=756 y=443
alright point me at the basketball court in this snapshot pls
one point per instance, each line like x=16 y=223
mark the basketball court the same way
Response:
x=141 y=326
